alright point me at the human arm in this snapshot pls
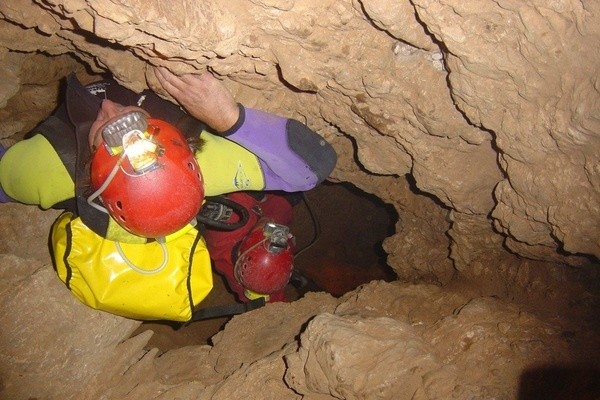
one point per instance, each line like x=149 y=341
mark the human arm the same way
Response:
x=31 y=172
x=203 y=96
x=292 y=157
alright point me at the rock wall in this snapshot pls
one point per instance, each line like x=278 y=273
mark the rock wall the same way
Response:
x=478 y=121
x=491 y=108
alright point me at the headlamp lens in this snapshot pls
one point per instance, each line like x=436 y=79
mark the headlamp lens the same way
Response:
x=114 y=131
x=128 y=133
x=142 y=152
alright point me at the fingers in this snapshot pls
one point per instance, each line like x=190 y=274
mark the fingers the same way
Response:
x=204 y=80
x=180 y=83
x=203 y=96
x=192 y=80
x=169 y=81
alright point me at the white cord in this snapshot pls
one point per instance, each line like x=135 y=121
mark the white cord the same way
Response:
x=112 y=174
x=139 y=270
x=97 y=193
x=103 y=187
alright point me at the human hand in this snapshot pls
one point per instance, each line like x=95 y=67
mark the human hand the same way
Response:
x=203 y=96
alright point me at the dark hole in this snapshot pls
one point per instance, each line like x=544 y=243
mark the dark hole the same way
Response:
x=349 y=250
x=556 y=382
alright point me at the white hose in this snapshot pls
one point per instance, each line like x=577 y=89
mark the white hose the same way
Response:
x=97 y=193
x=103 y=187
x=139 y=270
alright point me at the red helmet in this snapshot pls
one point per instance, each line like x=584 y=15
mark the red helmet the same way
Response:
x=265 y=258
x=146 y=176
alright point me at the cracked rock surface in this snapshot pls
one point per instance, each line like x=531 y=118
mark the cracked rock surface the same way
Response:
x=476 y=121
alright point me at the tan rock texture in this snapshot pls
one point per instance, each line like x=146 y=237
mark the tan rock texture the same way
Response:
x=477 y=120
x=384 y=340
x=491 y=108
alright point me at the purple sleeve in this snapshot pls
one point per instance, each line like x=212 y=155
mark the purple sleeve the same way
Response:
x=266 y=135
x=3 y=196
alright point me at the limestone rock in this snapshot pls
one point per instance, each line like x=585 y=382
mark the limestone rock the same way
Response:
x=52 y=346
x=538 y=100
x=477 y=121
x=480 y=123
x=353 y=358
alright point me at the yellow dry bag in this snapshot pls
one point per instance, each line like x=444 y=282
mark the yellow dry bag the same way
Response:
x=146 y=281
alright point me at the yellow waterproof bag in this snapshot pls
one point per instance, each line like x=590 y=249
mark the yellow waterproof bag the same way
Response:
x=146 y=281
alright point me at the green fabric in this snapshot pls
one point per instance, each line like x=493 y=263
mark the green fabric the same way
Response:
x=32 y=173
x=227 y=167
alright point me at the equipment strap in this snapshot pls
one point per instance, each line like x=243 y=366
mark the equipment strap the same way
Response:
x=226 y=310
